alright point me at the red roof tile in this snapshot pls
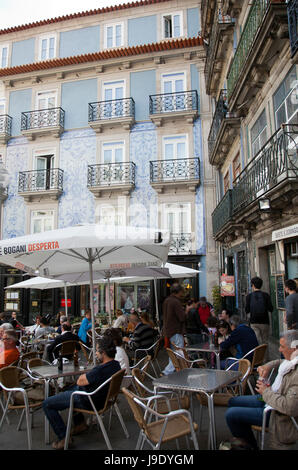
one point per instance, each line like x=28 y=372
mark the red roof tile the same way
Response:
x=103 y=55
x=71 y=16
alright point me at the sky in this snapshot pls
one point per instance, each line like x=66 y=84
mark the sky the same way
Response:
x=17 y=12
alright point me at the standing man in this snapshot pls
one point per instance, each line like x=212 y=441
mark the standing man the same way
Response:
x=291 y=304
x=258 y=304
x=174 y=321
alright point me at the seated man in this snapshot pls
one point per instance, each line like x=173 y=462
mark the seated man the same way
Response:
x=242 y=337
x=63 y=319
x=105 y=352
x=194 y=325
x=245 y=411
x=9 y=352
x=45 y=328
x=142 y=338
x=52 y=349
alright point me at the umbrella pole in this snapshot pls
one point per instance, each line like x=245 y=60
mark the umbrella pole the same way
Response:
x=156 y=306
x=109 y=303
x=92 y=307
x=65 y=296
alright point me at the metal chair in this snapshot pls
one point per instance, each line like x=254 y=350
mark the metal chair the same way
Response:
x=25 y=343
x=10 y=382
x=180 y=362
x=148 y=352
x=67 y=348
x=165 y=427
x=24 y=358
x=110 y=402
x=261 y=430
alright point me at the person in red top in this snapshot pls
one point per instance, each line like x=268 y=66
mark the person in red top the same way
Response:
x=9 y=352
x=205 y=310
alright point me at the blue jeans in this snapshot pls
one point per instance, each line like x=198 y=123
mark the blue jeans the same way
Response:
x=179 y=341
x=243 y=412
x=56 y=403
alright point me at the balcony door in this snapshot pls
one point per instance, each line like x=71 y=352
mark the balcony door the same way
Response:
x=175 y=165
x=43 y=179
x=112 y=158
x=113 y=94
x=177 y=220
x=173 y=87
x=47 y=115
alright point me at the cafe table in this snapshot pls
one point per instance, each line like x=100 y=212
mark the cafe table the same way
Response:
x=205 y=381
x=207 y=348
x=51 y=373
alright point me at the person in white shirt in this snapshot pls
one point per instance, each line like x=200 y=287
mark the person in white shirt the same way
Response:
x=121 y=320
x=121 y=355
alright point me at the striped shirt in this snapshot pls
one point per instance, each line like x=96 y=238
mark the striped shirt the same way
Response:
x=143 y=337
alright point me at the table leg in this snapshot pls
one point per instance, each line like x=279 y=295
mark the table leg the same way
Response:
x=217 y=361
x=46 y=423
x=212 y=430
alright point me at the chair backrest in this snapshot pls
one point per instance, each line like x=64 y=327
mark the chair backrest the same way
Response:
x=114 y=388
x=158 y=348
x=35 y=362
x=10 y=376
x=135 y=408
x=259 y=354
x=26 y=357
x=86 y=351
x=177 y=349
x=178 y=361
x=139 y=377
x=67 y=348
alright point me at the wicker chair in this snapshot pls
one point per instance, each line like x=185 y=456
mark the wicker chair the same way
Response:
x=165 y=427
x=180 y=362
x=110 y=402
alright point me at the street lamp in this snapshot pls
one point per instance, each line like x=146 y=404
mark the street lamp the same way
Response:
x=264 y=204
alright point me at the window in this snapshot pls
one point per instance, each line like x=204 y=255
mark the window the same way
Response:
x=44 y=176
x=173 y=86
x=226 y=182
x=111 y=215
x=46 y=99
x=285 y=100
x=258 y=134
x=2 y=106
x=113 y=92
x=47 y=47
x=172 y=25
x=177 y=218
x=236 y=166
x=113 y=35
x=113 y=152
x=42 y=221
x=4 y=49
x=175 y=147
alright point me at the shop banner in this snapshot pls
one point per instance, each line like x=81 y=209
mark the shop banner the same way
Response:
x=227 y=286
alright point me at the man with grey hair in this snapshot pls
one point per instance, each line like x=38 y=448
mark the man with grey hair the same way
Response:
x=243 y=338
x=4 y=327
x=245 y=411
x=8 y=349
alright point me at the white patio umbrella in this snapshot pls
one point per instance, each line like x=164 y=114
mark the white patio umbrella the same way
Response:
x=76 y=254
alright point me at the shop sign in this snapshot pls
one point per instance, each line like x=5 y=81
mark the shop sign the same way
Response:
x=286 y=232
x=227 y=286
x=63 y=302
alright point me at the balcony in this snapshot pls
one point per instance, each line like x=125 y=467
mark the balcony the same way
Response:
x=224 y=128
x=42 y=122
x=40 y=185
x=5 y=128
x=111 y=113
x=111 y=177
x=263 y=36
x=222 y=214
x=272 y=173
x=293 y=21
x=208 y=8
x=173 y=106
x=183 y=173
x=221 y=35
x=180 y=244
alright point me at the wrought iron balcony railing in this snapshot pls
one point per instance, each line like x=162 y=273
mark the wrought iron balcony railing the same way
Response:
x=252 y=25
x=112 y=109
x=222 y=213
x=173 y=102
x=5 y=124
x=276 y=162
x=42 y=118
x=220 y=113
x=41 y=180
x=109 y=174
x=180 y=244
x=182 y=169
x=293 y=25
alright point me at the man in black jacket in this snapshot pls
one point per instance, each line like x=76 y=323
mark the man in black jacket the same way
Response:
x=194 y=326
x=258 y=304
x=142 y=338
x=66 y=335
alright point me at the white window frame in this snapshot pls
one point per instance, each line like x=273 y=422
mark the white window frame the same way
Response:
x=258 y=138
x=115 y=111
x=113 y=214
x=164 y=17
x=166 y=76
x=293 y=91
x=176 y=207
x=175 y=139
x=48 y=94
x=43 y=153
x=113 y=26
x=47 y=214
x=114 y=146
x=4 y=46
x=47 y=38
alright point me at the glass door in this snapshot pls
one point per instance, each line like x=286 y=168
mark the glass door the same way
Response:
x=113 y=94
x=173 y=86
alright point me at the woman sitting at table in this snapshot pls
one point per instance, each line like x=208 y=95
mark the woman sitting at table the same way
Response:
x=224 y=331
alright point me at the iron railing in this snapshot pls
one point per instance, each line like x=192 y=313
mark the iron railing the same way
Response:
x=220 y=113
x=40 y=118
x=252 y=25
x=180 y=169
x=293 y=25
x=108 y=174
x=5 y=124
x=111 y=109
x=41 y=180
x=173 y=102
x=276 y=162
x=180 y=243
x=222 y=213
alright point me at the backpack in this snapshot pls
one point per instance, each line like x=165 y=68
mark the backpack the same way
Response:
x=258 y=304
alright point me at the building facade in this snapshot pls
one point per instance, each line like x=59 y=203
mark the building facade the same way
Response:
x=251 y=76
x=104 y=118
